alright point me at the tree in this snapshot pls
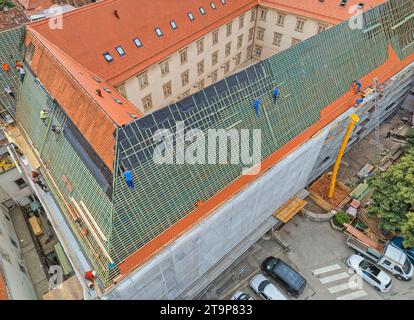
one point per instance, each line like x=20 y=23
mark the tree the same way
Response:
x=393 y=196
x=409 y=139
x=408 y=231
x=6 y=3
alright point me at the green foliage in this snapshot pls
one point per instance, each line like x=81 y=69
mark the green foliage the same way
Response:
x=6 y=3
x=409 y=139
x=408 y=231
x=393 y=196
x=340 y=218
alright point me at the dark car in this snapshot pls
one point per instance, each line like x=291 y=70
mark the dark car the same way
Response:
x=285 y=275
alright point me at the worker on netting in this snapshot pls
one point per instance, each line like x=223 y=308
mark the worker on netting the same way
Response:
x=129 y=179
x=275 y=94
x=9 y=91
x=44 y=115
x=22 y=73
x=5 y=66
x=90 y=277
x=18 y=64
x=256 y=105
x=357 y=86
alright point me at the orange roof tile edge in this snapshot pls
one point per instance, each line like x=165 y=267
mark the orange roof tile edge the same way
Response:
x=3 y=290
x=331 y=112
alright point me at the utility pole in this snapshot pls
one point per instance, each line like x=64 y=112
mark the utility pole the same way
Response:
x=377 y=125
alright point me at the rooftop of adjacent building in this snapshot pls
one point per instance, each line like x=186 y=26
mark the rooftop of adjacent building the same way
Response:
x=12 y=18
x=116 y=39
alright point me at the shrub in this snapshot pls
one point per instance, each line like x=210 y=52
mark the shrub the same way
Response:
x=340 y=218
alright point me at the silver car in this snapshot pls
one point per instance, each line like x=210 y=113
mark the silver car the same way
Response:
x=264 y=288
x=239 y=295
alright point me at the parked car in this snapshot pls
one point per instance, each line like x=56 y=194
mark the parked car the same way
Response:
x=240 y=295
x=264 y=288
x=287 y=276
x=370 y=273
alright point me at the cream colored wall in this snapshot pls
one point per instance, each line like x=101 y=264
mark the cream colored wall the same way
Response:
x=131 y=88
x=288 y=31
x=156 y=80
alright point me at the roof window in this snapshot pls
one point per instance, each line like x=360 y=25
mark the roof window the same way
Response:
x=120 y=51
x=108 y=57
x=190 y=16
x=158 y=32
x=173 y=24
x=202 y=11
x=213 y=5
x=223 y=2
x=137 y=42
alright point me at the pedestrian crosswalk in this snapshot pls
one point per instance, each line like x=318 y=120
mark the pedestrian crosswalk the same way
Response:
x=342 y=284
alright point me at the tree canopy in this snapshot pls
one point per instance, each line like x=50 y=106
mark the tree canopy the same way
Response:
x=393 y=198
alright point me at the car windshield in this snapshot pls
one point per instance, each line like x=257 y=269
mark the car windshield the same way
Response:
x=407 y=266
x=289 y=275
x=365 y=264
x=244 y=297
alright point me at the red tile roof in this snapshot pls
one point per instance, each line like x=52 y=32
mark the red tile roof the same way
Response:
x=327 y=10
x=94 y=29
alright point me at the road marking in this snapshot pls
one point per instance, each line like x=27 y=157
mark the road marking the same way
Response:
x=326 y=269
x=353 y=295
x=341 y=287
x=335 y=277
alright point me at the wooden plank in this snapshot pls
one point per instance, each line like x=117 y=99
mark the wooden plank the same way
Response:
x=290 y=209
x=34 y=223
x=320 y=201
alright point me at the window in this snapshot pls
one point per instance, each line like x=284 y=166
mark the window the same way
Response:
x=29 y=52
x=239 y=41
x=300 y=23
x=120 y=51
x=213 y=76
x=227 y=67
x=14 y=243
x=277 y=38
x=228 y=49
x=121 y=89
x=108 y=57
x=263 y=14
x=223 y=2
x=322 y=28
x=185 y=78
x=137 y=42
x=173 y=25
x=229 y=28
x=214 y=58
x=258 y=51
x=251 y=33
x=241 y=21
x=213 y=5
x=200 y=67
x=147 y=102
x=190 y=16
x=200 y=85
x=183 y=56
x=386 y=262
x=158 y=32
x=22 y=268
x=165 y=67
x=281 y=19
x=202 y=11
x=167 y=89
x=249 y=52
x=253 y=15
x=143 y=80
x=215 y=37
x=238 y=59
x=200 y=46
x=20 y=183
x=295 y=41
x=260 y=33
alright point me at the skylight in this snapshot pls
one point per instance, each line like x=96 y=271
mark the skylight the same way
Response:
x=137 y=42
x=202 y=11
x=223 y=1
x=173 y=24
x=120 y=51
x=213 y=5
x=158 y=32
x=108 y=57
x=190 y=16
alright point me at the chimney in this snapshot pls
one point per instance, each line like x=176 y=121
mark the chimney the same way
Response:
x=116 y=14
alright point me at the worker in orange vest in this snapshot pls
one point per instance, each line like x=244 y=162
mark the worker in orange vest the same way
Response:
x=18 y=64
x=90 y=278
x=5 y=66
